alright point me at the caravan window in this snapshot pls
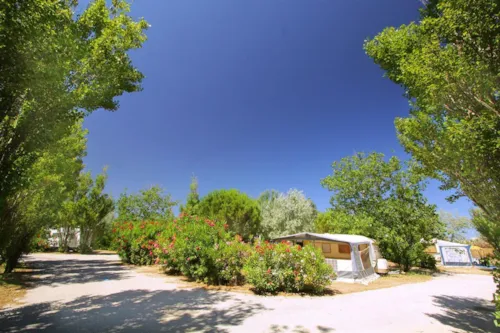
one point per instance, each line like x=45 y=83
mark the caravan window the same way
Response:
x=344 y=248
x=326 y=248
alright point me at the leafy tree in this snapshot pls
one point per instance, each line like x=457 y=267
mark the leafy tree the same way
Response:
x=148 y=205
x=193 y=198
x=52 y=178
x=340 y=222
x=90 y=207
x=237 y=209
x=456 y=226
x=448 y=64
x=56 y=67
x=390 y=195
x=286 y=213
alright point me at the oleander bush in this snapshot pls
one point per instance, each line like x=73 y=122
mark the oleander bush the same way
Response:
x=271 y=268
x=206 y=250
x=135 y=242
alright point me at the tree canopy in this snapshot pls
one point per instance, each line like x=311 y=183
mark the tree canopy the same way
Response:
x=384 y=199
x=151 y=204
x=449 y=65
x=237 y=209
x=286 y=213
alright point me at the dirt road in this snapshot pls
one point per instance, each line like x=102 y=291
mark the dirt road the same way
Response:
x=93 y=293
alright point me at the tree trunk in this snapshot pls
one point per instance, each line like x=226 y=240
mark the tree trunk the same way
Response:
x=12 y=261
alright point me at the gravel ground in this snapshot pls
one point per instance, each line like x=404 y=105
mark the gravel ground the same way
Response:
x=92 y=293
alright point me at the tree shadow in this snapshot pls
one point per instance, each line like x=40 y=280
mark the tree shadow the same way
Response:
x=470 y=314
x=68 y=271
x=134 y=311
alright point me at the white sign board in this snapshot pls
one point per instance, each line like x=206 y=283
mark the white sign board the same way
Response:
x=453 y=254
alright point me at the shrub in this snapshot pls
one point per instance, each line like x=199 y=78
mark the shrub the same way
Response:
x=283 y=267
x=40 y=242
x=135 y=241
x=427 y=261
x=202 y=250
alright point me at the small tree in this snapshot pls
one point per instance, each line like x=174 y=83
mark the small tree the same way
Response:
x=193 y=198
x=237 y=209
x=389 y=194
x=286 y=213
x=148 y=205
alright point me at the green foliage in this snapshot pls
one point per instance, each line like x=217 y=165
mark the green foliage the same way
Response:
x=151 y=204
x=56 y=66
x=427 y=261
x=237 y=209
x=340 y=222
x=38 y=205
x=286 y=213
x=284 y=267
x=40 y=242
x=448 y=65
x=386 y=203
x=203 y=250
x=193 y=198
x=456 y=226
x=136 y=241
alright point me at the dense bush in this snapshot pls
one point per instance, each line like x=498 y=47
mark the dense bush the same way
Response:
x=205 y=250
x=427 y=261
x=40 y=242
x=284 y=267
x=202 y=250
x=135 y=241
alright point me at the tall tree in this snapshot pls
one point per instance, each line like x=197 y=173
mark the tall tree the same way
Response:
x=237 y=209
x=56 y=67
x=151 y=204
x=448 y=64
x=53 y=177
x=389 y=195
x=286 y=213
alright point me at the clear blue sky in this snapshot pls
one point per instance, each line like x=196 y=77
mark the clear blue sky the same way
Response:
x=253 y=95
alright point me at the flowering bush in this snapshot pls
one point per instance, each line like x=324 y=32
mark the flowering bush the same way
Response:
x=203 y=250
x=40 y=242
x=284 y=267
x=135 y=242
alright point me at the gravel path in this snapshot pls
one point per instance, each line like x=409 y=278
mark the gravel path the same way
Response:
x=94 y=294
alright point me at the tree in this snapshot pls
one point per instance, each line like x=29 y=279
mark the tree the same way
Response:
x=151 y=204
x=389 y=195
x=193 y=198
x=286 y=213
x=456 y=226
x=56 y=67
x=91 y=208
x=340 y=222
x=39 y=205
x=237 y=209
x=448 y=64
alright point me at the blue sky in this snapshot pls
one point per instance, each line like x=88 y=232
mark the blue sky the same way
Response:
x=253 y=95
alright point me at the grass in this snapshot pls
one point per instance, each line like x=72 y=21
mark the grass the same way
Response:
x=12 y=286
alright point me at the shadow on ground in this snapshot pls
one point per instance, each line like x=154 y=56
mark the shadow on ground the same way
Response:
x=133 y=311
x=299 y=329
x=73 y=271
x=466 y=313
